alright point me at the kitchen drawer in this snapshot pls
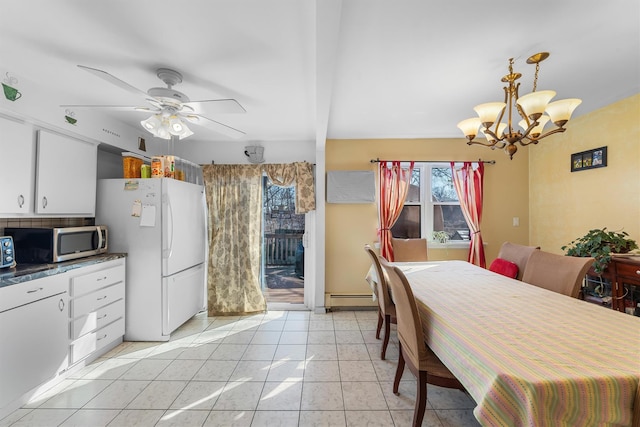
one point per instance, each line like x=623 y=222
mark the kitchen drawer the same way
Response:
x=24 y=293
x=631 y=272
x=87 y=283
x=88 y=303
x=94 y=341
x=97 y=319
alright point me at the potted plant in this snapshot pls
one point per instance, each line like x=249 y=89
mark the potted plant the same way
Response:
x=441 y=236
x=600 y=244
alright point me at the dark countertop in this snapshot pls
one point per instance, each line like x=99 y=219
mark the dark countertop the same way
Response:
x=25 y=272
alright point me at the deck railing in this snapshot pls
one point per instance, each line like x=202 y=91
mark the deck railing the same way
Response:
x=280 y=248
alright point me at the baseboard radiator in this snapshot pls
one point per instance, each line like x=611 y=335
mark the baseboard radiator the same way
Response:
x=334 y=299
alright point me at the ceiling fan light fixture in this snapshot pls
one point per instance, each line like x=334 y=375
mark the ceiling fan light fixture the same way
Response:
x=164 y=126
x=185 y=132
x=176 y=125
x=152 y=123
x=162 y=133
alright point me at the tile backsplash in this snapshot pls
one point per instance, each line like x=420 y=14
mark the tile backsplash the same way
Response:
x=44 y=222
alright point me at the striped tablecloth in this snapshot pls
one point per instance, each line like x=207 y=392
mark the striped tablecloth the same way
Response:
x=528 y=356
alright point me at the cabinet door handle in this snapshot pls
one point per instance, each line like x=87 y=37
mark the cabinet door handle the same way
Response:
x=101 y=278
x=44 y=202
x=20 y=200
x=61 y=304
x=101 y=317
x=34 y=290
x=102 y=337
x=101 y=298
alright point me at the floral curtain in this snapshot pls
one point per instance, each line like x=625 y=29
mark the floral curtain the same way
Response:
x=234 y=200
x=469 y=184
x=394 y=185
x=301 y=175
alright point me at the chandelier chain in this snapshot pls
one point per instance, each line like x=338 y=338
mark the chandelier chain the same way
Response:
x=535 y=78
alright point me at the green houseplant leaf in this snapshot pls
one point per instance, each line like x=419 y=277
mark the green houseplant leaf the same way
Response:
x=600 y=244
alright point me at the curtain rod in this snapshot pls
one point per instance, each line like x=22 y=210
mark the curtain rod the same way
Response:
x=491 y=162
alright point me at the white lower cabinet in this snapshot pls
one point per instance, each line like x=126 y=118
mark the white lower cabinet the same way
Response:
x=53 y=325
x=96 y=314
x=33 y=330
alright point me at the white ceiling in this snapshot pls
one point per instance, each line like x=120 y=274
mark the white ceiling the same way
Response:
x=305 y=70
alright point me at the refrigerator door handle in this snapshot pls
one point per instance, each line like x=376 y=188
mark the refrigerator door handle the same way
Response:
x=169 y=250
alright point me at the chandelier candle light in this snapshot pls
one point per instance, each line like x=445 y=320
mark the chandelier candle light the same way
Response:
x=531 y=107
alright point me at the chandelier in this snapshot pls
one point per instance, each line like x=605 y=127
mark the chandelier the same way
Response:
x=531 y=108
x=166 y=124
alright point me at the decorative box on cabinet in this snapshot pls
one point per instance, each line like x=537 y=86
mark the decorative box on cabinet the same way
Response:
x=97 y=309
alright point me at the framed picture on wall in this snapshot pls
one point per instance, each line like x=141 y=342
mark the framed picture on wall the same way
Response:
x=590 y=159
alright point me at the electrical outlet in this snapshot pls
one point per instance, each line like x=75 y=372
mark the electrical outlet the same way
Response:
x=516 y=221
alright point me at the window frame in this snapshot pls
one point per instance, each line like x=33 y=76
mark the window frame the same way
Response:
x=427 y=204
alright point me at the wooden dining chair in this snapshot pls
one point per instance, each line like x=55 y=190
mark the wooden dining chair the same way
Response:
x=409 y=250
x=517 y=254
x=414 y=352
x=386 y=308
x=558 y=273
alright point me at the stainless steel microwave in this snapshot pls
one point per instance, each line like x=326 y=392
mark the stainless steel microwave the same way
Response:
x=55 y=244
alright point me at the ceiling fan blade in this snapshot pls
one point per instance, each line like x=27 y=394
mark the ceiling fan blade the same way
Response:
x=217 y=106
x=113 y=108
x=116 y=81
x=215 y=125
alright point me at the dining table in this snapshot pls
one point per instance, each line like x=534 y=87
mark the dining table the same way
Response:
x=526 y=355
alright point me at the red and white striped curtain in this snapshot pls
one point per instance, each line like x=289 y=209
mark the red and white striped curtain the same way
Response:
x=394 y=186
x=469 y=186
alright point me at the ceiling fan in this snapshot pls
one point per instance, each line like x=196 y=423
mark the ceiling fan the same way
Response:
x=169 y=107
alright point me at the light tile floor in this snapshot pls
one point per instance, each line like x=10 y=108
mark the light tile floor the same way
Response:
x=281 y=368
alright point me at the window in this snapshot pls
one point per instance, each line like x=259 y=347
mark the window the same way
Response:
x=432 y=205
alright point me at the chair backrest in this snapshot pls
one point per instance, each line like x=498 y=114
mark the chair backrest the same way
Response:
x=407 y=250
x=518 y=254
x=382 y=289
x=409 y=324
x=558 y=273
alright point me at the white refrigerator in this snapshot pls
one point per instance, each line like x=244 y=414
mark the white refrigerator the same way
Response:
x=161 y=224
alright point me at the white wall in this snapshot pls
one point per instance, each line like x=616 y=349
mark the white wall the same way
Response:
x=232 y=152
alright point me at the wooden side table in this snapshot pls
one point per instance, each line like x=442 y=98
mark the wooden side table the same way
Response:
x=623 y=274
x=626 y=284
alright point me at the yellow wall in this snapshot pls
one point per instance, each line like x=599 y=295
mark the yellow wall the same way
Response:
x=350 y=226
x=565 y=205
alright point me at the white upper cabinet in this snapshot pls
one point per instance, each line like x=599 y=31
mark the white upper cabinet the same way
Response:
x=65 y=176
x=45 y=174
x=17 y=151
